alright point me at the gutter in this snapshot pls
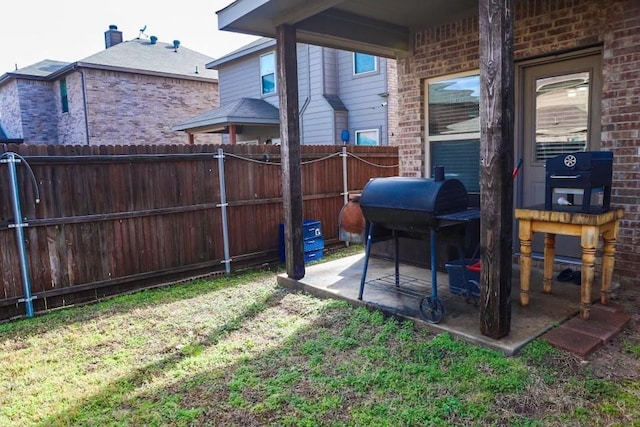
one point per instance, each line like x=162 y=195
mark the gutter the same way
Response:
x=308 y=100
x=84 y=104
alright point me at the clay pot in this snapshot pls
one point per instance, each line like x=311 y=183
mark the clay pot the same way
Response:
x=351 y=221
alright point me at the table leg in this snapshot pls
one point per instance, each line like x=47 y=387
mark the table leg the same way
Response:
x=549 y=255
x=608 y=258
x=524 y=233
x=588 y=242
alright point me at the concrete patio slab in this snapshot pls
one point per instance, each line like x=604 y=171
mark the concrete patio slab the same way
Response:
x=341 y=279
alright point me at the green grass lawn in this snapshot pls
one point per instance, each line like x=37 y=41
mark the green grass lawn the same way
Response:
x=242 y=351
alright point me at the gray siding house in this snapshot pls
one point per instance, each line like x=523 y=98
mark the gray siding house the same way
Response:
x=132 y=92
x=343 y=96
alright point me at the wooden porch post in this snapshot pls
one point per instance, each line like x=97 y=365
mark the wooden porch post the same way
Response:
x=287 y=83
x=496 y=157
x=232 y=134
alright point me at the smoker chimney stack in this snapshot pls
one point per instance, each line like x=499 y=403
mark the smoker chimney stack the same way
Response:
x=112 y=36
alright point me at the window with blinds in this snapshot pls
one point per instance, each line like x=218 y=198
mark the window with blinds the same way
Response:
x=562 y=115
x=453 y=137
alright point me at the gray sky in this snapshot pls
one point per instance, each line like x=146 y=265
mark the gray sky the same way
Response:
x=70 y=30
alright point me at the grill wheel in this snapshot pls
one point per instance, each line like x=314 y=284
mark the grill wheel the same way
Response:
x=432 y=309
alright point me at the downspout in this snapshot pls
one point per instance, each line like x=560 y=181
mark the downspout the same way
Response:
x=386 y=103
x=84 y=103
x=307 y=101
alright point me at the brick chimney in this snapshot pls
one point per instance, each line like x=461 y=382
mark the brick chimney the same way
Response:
x=112 y=36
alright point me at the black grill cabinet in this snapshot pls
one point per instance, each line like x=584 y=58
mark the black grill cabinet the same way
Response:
x=411 y=204
x=415 y=208
x=579 y=173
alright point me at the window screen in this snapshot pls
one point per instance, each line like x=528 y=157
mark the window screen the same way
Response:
x=461 y=160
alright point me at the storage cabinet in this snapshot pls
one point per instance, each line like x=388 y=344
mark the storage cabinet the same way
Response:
x=313 y=241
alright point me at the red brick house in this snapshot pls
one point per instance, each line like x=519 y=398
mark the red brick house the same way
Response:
x=573 y=67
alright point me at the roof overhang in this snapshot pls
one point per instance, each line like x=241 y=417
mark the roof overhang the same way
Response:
x=379 y=27
x=258 y=46
x=242 y=112
x=222 y=125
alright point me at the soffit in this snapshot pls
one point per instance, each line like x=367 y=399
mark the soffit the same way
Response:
x=380 y=27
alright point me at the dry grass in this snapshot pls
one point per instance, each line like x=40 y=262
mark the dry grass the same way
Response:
x=242 y=351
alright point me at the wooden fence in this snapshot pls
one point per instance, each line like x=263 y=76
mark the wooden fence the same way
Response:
x=113 y=219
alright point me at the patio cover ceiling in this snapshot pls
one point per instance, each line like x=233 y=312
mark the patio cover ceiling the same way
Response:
x=379 y=27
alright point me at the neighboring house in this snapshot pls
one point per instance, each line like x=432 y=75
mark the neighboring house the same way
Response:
x=132 y=92
x=342 y=96
x=577 y=83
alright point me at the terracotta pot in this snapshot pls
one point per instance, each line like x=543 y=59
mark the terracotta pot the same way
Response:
x=351 y=221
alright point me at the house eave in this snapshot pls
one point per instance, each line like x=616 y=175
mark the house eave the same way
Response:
x=195 y=126
x=267 y=45
x=377 y=27
x=143 y=72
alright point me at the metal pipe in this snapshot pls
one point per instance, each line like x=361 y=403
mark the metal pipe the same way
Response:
x=345 y=184
x=84 y=104
x=223 y=204
x=396 y=243
x=434 y=267
x=18 y=225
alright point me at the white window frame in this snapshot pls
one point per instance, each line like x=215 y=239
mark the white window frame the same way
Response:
x=262 y=74
x=434 y=138
x=375 y=64
x=361 y=131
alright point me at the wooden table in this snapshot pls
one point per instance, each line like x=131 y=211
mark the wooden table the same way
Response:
x=589 y=227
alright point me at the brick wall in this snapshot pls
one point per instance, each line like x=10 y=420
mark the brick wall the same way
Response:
x=392 y=101
x=10 y=117
x=125 y=108
x=28 y=110
x=447 y=49
x=545 y=27
x=621 y=124
x=72 y=127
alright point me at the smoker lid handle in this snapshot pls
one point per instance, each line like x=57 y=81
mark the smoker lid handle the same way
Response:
x=565 y=176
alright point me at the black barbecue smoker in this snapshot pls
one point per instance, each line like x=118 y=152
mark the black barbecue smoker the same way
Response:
x=418 y=208
x=585 y=173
